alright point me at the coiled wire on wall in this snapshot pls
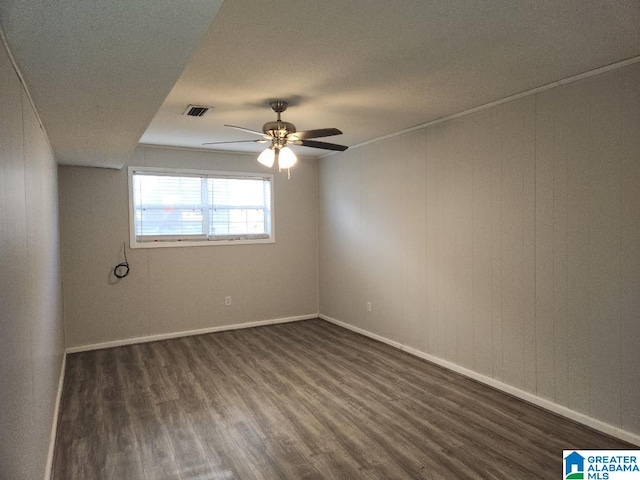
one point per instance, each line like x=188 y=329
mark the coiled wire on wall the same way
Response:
x=122 y=269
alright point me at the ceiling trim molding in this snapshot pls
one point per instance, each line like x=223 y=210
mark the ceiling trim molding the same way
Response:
x=548 y=86
x=5 y=44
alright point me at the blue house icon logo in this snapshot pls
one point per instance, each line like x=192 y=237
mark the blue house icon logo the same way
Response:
x=574 y=466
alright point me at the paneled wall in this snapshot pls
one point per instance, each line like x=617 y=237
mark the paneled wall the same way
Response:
x=506 y=242
x=31 y=333
x=181 y=289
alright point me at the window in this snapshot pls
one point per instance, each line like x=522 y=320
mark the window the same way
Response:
x=182 y=207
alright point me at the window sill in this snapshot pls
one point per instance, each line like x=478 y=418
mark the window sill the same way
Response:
x=198 y=243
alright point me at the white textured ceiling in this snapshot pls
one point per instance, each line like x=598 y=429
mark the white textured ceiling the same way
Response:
x=369 y=68
x=97 y=71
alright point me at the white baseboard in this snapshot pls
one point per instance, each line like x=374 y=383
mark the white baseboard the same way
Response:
x=187 y=333
x=54 y=424
x=516 y=392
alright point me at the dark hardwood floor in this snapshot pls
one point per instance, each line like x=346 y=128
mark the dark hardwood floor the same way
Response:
x=304 y=400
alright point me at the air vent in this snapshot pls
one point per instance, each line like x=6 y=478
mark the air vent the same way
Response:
x=196 y=110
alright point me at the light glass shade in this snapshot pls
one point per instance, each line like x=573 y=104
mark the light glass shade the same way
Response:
x=267 y=157
x=287 y=158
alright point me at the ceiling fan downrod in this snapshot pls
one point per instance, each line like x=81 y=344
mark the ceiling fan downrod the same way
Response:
x=278 y=106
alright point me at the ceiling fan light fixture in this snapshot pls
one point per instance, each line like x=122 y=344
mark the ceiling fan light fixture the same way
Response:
x=267 y=157
x=286 y=158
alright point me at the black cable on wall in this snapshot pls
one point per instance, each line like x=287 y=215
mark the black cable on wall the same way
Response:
x=122 y=269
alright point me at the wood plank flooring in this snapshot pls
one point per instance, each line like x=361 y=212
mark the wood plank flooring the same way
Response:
x=304 y=400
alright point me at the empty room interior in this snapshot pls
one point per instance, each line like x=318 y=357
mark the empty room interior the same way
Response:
x=337 y=239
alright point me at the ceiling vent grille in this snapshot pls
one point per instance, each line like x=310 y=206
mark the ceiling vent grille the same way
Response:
x=196 y=111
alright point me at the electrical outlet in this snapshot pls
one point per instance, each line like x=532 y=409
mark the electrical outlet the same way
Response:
x=368 y=306
x=227 y=301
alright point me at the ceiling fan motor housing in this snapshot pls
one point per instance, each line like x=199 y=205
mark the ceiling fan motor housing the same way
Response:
x=278 y=128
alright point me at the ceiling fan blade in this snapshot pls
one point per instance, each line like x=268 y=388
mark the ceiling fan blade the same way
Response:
x=237 y=141
x=255 y=132
x=320 y=132
x=324 y=145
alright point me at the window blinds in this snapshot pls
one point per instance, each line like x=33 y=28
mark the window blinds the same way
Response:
x=176 y=207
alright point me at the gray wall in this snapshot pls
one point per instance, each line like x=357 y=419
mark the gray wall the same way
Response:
x=31 y=334
x=180 y=289
x=506 y=242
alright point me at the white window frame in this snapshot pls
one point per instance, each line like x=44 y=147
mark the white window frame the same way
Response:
x=169 y=241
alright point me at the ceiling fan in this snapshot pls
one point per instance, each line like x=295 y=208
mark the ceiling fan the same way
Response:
x=281 y=135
